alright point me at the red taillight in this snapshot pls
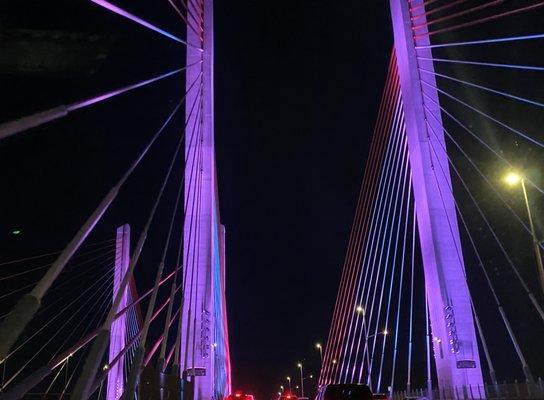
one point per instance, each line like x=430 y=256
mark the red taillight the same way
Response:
x=237 y=394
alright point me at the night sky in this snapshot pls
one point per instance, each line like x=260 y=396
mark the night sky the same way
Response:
x=297 y=86
x=297 y=90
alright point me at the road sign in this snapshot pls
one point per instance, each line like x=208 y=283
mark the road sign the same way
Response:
x=466 y=364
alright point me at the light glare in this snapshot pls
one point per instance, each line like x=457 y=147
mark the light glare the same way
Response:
x=512 y=178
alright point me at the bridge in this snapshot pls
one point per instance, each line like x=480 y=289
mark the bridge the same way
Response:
x=442 y=286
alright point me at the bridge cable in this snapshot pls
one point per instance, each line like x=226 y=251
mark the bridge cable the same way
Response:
x=134 y=375
x=354 y=312
x=526 y=369
x=357 y=230
x=37 y=119
x=25 y=309
x=97 y=350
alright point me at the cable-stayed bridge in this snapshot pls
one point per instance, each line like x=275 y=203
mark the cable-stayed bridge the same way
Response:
x=90 y=333
x=441 y=291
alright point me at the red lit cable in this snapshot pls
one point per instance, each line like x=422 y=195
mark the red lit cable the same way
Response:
x=458 y=14
x=351 y=262
x=352 y=257
x=438 y=9
x=348 y=267
x=483 y=20
x=424 y=4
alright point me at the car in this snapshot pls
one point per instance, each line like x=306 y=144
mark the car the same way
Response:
x=239 y=395
x=344 y=391
x=288 y=396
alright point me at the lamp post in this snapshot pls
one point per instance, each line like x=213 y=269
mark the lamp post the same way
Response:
x=299 y=365
x=319 y=347
x=289 y=380
x=361 y=311
x=513 y=179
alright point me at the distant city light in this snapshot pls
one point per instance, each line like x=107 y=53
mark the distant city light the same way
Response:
x=360 y=309
x=16 y=232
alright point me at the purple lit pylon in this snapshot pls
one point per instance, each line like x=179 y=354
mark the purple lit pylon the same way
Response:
x=454 y=339
x=116 y=380
x=204 y=336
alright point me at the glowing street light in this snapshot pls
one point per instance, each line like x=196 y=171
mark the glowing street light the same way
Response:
x=319 y=347
x=289 y=380
x=512 y=179
x=299 y=365
x=360 y=310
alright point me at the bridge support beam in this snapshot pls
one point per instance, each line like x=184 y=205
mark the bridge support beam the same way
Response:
x=115 y=385
x=204 y=351
x=454 y=340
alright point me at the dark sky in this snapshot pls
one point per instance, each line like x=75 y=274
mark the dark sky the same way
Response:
x=297 y=90
x=297 y=86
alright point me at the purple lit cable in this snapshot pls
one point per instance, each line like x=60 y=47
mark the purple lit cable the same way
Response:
x=117 y=10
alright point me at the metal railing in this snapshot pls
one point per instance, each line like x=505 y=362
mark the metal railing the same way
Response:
x=499 y=391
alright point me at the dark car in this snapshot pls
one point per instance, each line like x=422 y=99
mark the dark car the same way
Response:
x=344 y=391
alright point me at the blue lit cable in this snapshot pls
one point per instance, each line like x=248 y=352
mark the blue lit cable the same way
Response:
x=495 y=236
x=477 y=137
x=484 y=41
x=371 y=247
x=389 y=229
x=405 y=196
x=485 y=88
x=401 y=280
x=502 y=124
x=490 y=184
x=483 y=64
x=374 y=231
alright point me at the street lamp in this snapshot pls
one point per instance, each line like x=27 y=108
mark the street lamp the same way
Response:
x=361 y=311
x=289 y=380
x=299 y=365
x=512 y=179
x=319 y=347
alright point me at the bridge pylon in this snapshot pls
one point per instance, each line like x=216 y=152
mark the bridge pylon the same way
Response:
x=455 y=346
